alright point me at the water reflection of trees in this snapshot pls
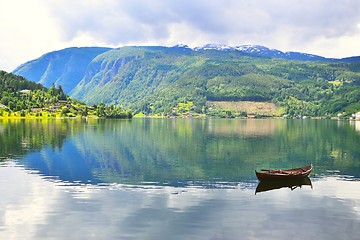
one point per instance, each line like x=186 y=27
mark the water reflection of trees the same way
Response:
x=19 y=137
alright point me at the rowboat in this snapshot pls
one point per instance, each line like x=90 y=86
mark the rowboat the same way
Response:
x=264 y=186
x=294 y=173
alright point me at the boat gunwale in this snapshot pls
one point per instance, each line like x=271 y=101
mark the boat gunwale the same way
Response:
x=268 y=174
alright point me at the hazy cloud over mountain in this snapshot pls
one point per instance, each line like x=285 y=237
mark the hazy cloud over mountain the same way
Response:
x=324 y=27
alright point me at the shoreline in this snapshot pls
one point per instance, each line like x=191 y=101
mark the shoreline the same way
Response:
x=168 y=117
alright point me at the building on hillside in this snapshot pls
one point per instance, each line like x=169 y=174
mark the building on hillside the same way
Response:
x=36 y=110
x=62 y=102
x=25 y=91
x=54 y=108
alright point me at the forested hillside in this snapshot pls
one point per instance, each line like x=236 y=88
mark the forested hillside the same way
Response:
x=14 y=93
x=162 y=80
x=22 y=98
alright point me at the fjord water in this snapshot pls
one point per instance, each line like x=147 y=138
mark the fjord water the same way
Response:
x=176 y=179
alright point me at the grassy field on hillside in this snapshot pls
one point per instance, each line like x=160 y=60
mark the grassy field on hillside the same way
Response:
x=248 y=107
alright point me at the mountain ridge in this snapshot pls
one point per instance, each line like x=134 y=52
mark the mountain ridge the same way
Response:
x=154 y=79
x=56 y=66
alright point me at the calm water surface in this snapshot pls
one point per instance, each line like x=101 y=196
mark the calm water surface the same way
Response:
x=176 y=179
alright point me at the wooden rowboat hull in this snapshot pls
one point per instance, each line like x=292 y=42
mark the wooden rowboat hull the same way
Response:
x=294 y=173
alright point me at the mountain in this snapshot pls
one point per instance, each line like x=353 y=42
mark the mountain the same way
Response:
x=156 y=79
x=65 y=67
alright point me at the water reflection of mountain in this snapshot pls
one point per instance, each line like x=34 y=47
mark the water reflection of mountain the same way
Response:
x=177 y=151
x=167 y=151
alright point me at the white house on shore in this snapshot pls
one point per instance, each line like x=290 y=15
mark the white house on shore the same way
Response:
x=357 y=116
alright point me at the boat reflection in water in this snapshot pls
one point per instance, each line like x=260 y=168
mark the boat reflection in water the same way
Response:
x=264 y=186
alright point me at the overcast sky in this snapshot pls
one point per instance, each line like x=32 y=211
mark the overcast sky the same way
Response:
x=31 y=28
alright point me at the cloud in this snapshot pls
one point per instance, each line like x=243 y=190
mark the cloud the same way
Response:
x=24 y=31
x=323 y=27
x=235 y=21
x=34 y=208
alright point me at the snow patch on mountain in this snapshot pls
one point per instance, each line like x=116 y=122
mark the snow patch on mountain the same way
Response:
x=259 y=50
x=251 y=49
x=218 y=47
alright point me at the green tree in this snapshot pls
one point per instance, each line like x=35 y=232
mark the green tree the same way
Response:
x=100 y=111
